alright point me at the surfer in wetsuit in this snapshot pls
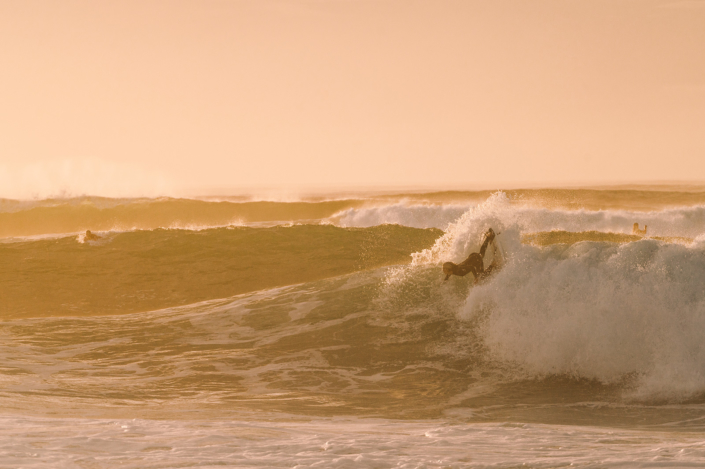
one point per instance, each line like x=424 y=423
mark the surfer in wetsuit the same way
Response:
x=90 y=236
x=474 y=262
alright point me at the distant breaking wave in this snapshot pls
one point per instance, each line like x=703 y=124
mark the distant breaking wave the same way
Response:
x=499 y=208
x=97 y=214
x=413 y=215
x=666 y=214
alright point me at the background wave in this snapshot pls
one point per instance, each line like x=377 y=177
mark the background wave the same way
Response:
x=665 y=211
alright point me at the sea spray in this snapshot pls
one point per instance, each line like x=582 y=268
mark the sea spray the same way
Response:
x=465 y=234
x=403 y=213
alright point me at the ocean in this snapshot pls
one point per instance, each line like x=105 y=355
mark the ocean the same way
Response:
x=318 y=331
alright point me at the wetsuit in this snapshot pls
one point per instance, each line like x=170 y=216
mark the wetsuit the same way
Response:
x=474 y=262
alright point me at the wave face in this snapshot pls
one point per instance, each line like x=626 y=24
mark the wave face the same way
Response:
x=125 y=272
x=346 y=316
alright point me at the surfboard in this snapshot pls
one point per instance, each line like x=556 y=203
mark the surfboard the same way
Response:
x=497 y=254
x=500 y=251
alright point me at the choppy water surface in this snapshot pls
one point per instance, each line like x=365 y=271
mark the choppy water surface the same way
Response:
x=334 y=341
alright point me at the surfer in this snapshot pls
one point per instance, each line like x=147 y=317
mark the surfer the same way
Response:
x=90 y=236
x=637 y=231
x=474 y=262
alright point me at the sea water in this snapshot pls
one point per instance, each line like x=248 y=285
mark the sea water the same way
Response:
x=320 y=333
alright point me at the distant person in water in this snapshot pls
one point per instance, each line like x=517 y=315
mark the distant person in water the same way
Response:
x=637 y=231
x=90 y=236
x=474 y=262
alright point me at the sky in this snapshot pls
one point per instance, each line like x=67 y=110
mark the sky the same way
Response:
x=150 y=97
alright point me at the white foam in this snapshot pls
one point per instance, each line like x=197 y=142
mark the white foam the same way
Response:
x=339 y=443
x=602 y=311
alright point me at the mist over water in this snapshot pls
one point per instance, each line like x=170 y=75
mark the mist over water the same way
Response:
x=76 y=177
x=248 y=333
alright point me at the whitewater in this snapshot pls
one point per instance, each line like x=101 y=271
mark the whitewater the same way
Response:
x=319 y=332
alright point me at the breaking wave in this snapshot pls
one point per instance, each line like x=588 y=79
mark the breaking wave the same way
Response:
x=631 y=314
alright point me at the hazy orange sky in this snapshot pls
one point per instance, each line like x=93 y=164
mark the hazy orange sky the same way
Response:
x=127 y=97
